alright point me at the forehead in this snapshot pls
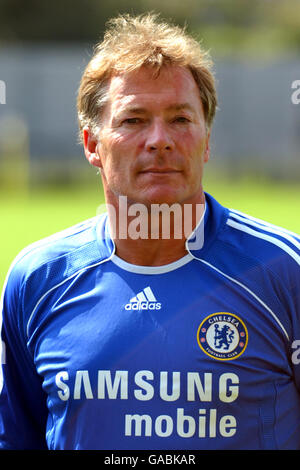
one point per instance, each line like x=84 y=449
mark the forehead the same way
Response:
x=172 y=84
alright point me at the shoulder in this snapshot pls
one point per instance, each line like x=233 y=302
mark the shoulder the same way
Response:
x=266 y=242
x=261 y=255
x=53 y=247
x=265 y=256
x=53 y=259
x=238 y=234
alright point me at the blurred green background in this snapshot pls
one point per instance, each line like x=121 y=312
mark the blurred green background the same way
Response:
x=41 y=193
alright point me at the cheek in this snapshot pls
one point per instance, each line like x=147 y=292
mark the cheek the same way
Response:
x=110 y=151
x=192 y=146
x=125 y=144
x=119 y=162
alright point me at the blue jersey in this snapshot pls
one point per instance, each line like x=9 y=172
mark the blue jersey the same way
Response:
x=202 y=353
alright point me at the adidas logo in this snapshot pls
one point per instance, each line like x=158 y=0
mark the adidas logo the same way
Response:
x=144 y=300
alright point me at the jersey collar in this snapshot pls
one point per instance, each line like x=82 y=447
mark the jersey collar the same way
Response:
x=208 y=228
x=213 y=219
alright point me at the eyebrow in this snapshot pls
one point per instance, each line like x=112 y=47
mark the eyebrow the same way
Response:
x=180 y=107
x=172 y=107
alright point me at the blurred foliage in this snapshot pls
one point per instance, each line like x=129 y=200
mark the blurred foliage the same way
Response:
x=227 y=26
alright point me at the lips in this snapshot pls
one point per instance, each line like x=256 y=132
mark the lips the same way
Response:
x=160 y=170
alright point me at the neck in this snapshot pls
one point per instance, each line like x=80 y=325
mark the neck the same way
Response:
x=153 y=235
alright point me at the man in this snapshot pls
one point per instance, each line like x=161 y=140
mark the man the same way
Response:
x=120 y=334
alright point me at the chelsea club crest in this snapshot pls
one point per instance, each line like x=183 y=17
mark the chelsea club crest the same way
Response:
x=222 y=336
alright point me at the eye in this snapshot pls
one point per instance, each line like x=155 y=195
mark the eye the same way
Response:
x=133 y=120
x=181 y=119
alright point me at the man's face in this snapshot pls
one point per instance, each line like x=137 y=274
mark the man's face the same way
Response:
x=153 y=141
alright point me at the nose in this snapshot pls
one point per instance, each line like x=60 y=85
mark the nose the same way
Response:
x=158 y=137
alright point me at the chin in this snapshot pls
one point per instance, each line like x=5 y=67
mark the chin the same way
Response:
x=160 y=198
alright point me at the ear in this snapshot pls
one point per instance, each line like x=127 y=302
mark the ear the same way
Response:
x=207 y=147
x=90 y=148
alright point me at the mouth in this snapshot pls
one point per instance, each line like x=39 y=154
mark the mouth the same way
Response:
x=160 y=171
